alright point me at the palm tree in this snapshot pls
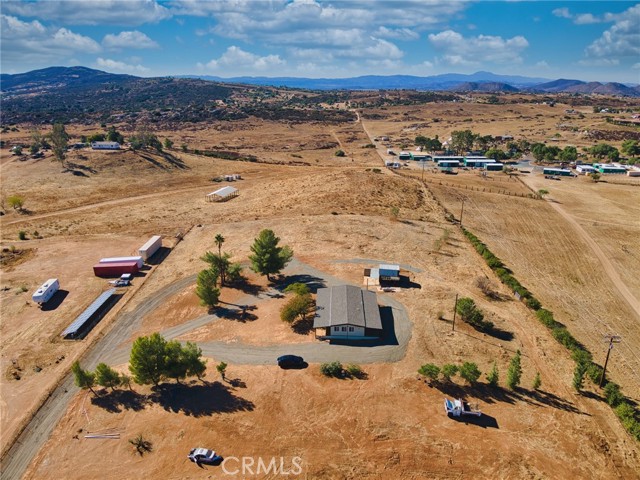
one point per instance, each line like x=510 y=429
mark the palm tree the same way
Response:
x=219 y=241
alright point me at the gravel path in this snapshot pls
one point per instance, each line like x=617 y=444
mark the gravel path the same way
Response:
x=112 y=349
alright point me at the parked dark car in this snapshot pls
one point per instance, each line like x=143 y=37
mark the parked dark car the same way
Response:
x=291 y=361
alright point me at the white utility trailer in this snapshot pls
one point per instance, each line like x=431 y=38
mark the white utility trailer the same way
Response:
x=137 y=259
x=151 y=247
x=46 y=291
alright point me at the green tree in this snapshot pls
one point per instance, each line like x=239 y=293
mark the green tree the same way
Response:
x=448 y=371
x=514 y=372
x=569 y=154
x=144 y=139
x=631 y=148
x=493 y=376
x=175 y=364
x=268 y=258
x=16 y=202
x=222 y=369
x=148 y=362
x=192 y=358
x=114 y=136
x=297 y=308
x=537 y=381
x=298 y=288
x=206 y=288
x=125 y=380
x=542 y=192
x=470 y=314
x=106 y=376
x=219 y=265
x=83 y=378
x=219 y=239
x=462 y=140
x=430 y=370
x=59 y=140
x=168 y=143
x=495 y=153
x=583 y=360
x=17 y=150
x=470 y=372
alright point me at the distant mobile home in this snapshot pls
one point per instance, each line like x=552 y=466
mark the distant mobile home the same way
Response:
x=558 y=171
x=610 y=169
x=585 y=169
x=46 y=291
x=105 y=145
x=405 y=156
x=477 y=162
x=494 y=167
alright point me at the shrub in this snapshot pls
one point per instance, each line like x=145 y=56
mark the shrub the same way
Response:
x=470 y=372
x=594 y=372
x=470 y=314
x=430 y=371
x=563 y=336
x=355 y=371
x=546 y=318
x=448 y=371
x=340 y=153
x=612 y=394
x=332 y=369
x=537 y=381
x=493 y=376
x=533 y=303
x=22 y=235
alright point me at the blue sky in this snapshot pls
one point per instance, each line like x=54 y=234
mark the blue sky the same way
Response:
x=587 y=40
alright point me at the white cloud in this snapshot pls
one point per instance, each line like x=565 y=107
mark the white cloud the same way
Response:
x=586 y=19
x=116 y=66
x=542 y=64
x=562 y=12
x=134 y=39
x=636 y=66
x=599 y=62
x=31 y=42
x=91 y=12
x=470 y=51
x=237 y=60
x=397 y=33
x=621 y=40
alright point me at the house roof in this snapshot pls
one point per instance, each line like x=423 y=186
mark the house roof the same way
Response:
x=347 y=305
x=224 y=191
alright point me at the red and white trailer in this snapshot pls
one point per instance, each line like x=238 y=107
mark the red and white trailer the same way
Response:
x=139 y=260
x=115 y=269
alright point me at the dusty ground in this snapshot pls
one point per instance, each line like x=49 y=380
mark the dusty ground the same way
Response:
x=332 y=210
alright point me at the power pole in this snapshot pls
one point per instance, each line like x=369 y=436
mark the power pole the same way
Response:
x=455 y=307
x=612 y=339
x=422 y=178
x=461 y=211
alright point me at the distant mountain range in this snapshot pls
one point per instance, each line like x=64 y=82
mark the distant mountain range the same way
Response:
x=56 y=77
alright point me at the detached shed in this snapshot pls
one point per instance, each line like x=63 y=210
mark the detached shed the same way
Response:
x=222 y=194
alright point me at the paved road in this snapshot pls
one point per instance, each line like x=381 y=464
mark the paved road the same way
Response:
x=110 y=349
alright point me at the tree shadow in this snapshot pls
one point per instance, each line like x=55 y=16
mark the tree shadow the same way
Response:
x=303 y=327
x=199 y=400
x=175 y=161
x=80 y=169
x=500 y=334
x=55 y=301
x=246 y=287
x=153 y=161
x=242 y=313
x=236 y=383
x=117 y=400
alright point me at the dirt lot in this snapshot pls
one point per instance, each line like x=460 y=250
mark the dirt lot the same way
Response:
x=332 y=212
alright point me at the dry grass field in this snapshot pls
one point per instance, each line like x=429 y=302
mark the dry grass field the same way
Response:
x=336 y=213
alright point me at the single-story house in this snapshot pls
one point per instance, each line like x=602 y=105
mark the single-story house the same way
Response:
x=105 y=145
x=222 y=194
x=346 y=312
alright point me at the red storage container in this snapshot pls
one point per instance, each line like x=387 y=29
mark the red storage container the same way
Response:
x=115 y=269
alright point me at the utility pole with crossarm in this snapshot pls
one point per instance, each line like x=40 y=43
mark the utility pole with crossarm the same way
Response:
x=612 y=339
